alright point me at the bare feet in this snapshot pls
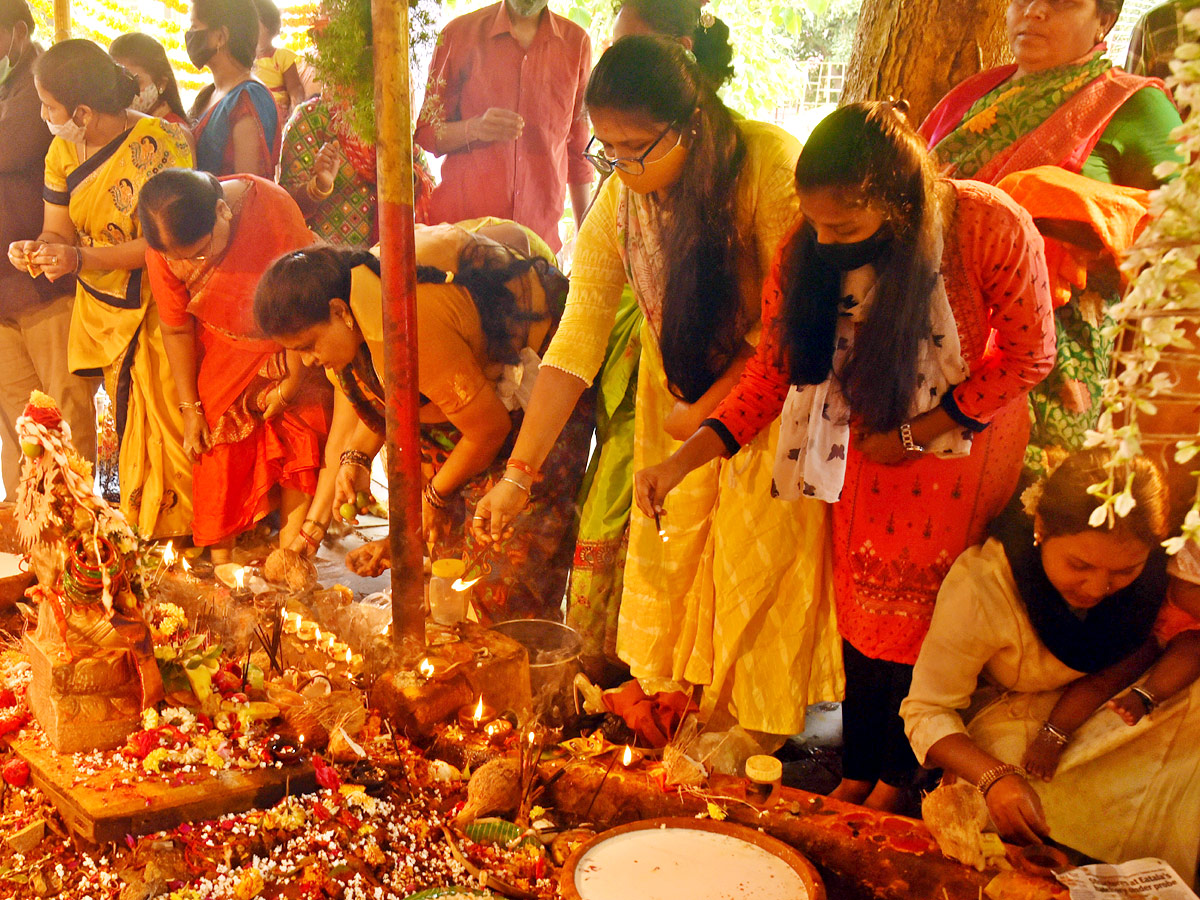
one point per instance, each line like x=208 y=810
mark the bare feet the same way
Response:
x=885 y=798
x=851 y=791
x=1129 y=707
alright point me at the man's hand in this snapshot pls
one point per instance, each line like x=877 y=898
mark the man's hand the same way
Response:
x=495 y=125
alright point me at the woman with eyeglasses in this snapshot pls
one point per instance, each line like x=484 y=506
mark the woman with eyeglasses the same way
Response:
x=729 y=590
x=254 y=417
x=102 y=154
x=235 y=120
x=606 y=498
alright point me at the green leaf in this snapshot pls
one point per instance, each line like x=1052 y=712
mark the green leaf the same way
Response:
x=498 y=831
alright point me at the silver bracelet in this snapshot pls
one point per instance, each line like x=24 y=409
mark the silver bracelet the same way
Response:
x=1059 y=736
x=910 y=446
x=514 y=481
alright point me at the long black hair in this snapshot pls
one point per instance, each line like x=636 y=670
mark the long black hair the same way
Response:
x=78 y=72
x=143 y=50
x=681 y=19
x=295 y=292
x=703 y=323
x=870 y=154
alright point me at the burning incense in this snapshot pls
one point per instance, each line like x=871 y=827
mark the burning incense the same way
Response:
x=625 y=758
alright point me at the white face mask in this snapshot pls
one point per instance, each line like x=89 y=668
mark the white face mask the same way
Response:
x=146 y=99
x=69 y=130
x=5 y=62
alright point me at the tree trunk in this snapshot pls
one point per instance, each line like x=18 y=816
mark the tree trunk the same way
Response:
x=916 y=50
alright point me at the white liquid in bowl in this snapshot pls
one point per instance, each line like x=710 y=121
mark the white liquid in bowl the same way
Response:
x=684 y=864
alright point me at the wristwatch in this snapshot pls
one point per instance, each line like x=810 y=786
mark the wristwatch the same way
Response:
x=910 y=446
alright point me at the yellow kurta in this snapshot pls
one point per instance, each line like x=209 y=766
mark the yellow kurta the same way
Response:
x=1120 y=792
x=115 y=326
x=739 y=599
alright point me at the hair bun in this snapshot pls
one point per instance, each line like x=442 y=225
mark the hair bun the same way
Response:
x=900 y=106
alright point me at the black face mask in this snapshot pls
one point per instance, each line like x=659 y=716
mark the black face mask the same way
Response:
x=199 y=50
x=847 y=257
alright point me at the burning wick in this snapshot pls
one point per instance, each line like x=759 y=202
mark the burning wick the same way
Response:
x=185 y=565
x=473 y=719
x=169 y=555
x=662 y=532
x=460 y=585
x=426 y=670
x=627 y=756
x=239 y=579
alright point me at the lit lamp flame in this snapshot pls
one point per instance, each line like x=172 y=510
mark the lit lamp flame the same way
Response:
x=460 y=585
x=627 y=756
x=239 y=578
x=477 y=716
x=317 y=634
x=532 y=738
x=349 y=656
x=426 y=670
x=184 y=564
x=169 y=555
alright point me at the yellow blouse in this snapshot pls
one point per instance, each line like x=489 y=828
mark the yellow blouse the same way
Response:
x=768 y=208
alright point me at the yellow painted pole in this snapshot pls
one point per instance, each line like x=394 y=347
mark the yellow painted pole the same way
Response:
x=393 y=122
x=62 y=20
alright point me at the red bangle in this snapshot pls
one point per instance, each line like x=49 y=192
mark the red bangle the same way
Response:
x=522 y=466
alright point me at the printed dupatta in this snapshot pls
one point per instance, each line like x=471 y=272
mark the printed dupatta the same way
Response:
x=1012 y=112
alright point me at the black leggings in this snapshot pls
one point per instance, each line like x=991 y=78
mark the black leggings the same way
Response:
x=872 y=730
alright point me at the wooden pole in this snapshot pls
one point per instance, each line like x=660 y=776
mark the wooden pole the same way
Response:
x=62 y=20
x=399 y=268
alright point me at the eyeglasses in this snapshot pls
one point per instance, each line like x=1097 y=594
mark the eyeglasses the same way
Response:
x=630 y=165
x=200 y=257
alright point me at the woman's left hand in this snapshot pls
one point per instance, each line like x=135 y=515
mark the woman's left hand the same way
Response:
x=56 y=260
x=273 y=402
x=884 y=447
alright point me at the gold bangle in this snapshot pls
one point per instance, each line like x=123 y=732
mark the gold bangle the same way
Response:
x=314 y=192
x=994 y=774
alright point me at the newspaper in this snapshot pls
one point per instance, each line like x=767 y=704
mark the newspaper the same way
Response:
x=1139 y=879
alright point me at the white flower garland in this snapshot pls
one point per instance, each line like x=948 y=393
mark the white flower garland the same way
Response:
x=1148 y=329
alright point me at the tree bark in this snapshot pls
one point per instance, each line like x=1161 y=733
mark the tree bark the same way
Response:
x=916 y=50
